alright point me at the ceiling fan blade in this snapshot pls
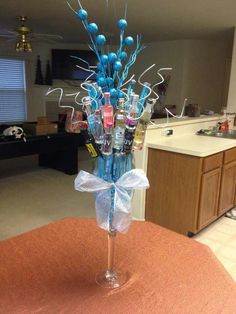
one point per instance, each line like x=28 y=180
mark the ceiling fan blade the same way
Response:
x=6 y=32
x=11 y=35
x=10 y=40
x=14 y=33
x=45 y=36
x=7 y=36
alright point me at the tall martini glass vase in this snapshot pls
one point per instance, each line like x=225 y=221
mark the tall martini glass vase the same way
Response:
x=111 y=277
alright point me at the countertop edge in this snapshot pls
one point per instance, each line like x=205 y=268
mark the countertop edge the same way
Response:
x=188 y=151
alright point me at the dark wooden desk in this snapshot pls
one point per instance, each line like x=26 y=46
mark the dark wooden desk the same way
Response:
x=58 y=151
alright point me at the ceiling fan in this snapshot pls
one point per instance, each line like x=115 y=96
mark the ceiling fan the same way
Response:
x=24 y=36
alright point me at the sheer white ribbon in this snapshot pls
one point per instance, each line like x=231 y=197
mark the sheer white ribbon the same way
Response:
x=133 y=179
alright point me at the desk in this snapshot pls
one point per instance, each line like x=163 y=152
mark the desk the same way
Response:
x=58 y=151
x=52 y=269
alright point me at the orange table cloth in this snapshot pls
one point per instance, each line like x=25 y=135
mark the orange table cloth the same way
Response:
x=52 y=270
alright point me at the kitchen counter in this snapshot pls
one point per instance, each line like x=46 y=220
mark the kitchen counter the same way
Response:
x=194 y=145
x=183 y=141
x=185 y=120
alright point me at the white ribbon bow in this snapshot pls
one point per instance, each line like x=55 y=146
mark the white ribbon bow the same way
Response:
x=133 y=179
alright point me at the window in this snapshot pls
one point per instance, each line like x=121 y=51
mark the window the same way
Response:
x=12 y=90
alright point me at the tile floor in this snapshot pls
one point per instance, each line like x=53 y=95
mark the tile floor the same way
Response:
x=220 y=236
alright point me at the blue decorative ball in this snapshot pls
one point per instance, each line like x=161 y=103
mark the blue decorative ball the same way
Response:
x=113 y=93
x=123 y=55
x=100 y=40
x=101 y=81
x=99 y=66
x=82 y=14
x=121 y=94
x=92 y=28
x=122 y=24
x=104 y=59
x=112 y=57
x=117 y=65
x=129 y=41
x=110 y=81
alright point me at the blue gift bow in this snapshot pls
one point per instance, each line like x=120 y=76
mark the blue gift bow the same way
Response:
x=133 y=179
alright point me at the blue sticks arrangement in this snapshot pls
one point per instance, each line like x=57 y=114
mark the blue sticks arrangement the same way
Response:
x=117 y=119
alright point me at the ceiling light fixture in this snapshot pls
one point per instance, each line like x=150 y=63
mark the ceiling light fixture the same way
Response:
x=23 y=45
x=23 y=36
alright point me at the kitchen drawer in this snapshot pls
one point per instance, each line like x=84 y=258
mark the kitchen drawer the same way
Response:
x=229 y=155
x=212 y=162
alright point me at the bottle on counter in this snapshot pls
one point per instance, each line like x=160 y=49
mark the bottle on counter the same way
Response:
x=98 y=128
x=142 y=125
x=90 y=144
x=224 y=126
x=107 y=139
x=107 y=111
x=129 y=135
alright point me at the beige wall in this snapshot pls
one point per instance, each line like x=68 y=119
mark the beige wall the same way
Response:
x=204 y=73
x=168 y=54
x=199 y=70
x=231 y=104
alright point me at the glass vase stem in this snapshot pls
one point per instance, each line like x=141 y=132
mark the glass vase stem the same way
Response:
x=111 y=250
x=111 y=278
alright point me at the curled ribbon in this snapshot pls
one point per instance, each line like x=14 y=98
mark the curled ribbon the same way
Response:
x=133 y=179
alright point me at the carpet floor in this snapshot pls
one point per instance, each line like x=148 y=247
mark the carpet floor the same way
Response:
x=31 y=196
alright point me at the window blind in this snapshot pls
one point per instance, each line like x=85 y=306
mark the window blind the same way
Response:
x=12 y=90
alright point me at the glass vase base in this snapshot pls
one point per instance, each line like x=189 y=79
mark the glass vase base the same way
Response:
x=111 y=279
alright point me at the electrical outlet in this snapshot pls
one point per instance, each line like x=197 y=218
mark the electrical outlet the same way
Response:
x=168 y=132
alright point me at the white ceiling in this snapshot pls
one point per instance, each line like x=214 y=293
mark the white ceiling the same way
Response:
x=154 y=19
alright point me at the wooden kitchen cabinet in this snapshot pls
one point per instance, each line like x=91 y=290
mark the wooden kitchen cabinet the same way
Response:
x=184 y=190
x=173 y=197
x=227 y=195
x=209 y=195
x=228 y=183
